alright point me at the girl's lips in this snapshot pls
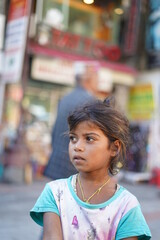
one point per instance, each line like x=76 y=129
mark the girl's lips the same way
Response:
x=78 y=158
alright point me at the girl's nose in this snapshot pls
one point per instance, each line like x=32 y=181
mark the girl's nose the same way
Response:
x=79 y=147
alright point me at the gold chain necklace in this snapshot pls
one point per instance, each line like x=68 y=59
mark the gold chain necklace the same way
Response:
x=96 y=192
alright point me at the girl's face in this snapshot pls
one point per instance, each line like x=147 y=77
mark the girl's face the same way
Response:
x=89 y=148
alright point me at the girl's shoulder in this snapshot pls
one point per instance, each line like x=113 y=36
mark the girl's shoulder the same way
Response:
x=58 y=183
x=126 y=198
x=61 y=184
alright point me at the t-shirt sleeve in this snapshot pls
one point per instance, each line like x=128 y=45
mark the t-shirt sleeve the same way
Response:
x=133 y=224
x=45 y=203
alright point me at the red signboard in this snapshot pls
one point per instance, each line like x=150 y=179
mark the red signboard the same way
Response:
x=84 y=45
x=17 y=9
x=77 y=44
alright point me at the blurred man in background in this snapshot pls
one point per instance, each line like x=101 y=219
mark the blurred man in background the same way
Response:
x=86 y=77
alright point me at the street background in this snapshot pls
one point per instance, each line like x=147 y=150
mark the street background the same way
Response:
x=16 y=200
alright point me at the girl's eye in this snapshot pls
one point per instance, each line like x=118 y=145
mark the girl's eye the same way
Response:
x=89 y=139
x=72 y=138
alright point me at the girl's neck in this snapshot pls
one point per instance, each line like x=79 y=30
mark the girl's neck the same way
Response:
x=88 y=188
x=94 y=177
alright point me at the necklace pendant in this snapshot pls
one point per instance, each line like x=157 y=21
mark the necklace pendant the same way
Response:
x=96 y=192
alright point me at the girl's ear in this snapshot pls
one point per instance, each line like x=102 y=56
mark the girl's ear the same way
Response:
x=115 y=148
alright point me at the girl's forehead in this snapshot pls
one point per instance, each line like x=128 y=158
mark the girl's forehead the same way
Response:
x=87 y=127
x=87 y=124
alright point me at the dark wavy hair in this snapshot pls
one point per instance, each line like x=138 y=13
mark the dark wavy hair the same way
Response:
x=111 y=121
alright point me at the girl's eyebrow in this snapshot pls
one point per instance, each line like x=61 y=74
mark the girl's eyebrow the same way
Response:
x=92 y=133
x=86 y=134
x=72 y=133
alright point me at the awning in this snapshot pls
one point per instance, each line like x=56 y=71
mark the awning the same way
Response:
x=34 y=48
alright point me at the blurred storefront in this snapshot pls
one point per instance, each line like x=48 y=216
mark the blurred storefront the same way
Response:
x=143 y=155
x=79 y=32
x=144 y=101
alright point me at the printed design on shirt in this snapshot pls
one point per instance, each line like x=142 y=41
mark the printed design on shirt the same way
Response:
x=59 y=194
x=91 y=234
x=75 y=222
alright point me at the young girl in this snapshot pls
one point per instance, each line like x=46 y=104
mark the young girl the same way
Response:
x=90 y=205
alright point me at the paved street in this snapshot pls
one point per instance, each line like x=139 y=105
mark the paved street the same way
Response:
x=17 y=200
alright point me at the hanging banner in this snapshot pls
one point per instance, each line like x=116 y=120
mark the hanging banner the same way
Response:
x=15 y=40
x=141 y=102
x=132 y=29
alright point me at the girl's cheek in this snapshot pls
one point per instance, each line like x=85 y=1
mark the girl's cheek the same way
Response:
x=70 y=148
x=70 y=145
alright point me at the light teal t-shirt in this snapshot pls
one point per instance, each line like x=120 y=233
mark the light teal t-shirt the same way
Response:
x=119 y=217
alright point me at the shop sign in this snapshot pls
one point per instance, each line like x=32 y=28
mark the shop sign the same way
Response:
x=77 y=44
x=141 y=102
x=15 y=41
x=53 y=70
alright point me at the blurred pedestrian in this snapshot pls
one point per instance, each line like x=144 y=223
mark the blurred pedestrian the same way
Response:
x=89 y=204
x=86 y=77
